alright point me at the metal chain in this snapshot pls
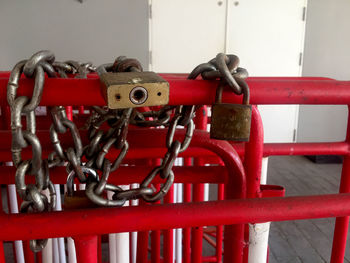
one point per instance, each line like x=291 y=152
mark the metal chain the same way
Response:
x=32 y=194
x=118 y=121
x=225 y=67
x=84 y=162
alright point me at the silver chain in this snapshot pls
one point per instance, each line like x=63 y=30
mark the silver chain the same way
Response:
x=34 y=200
x=100 y=140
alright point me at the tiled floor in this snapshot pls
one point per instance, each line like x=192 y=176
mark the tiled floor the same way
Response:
x=307 y=241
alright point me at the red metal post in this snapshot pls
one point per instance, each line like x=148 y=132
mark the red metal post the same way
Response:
x=201 y=122
x=342 y=223
x=69 y=111
x=220 y=228
x=86 y=248
x=2 y=253
x=187 y=231
x=155 y=240
x=168 y=235
x=142 y=240
x=253 y=155
x=28 y=254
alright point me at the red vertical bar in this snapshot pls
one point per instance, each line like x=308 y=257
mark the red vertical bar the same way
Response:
x=201 y=122
x=13 y=243
x=142 y=244
x=99 y=249
x=252 y=164
x=155 y=240
x=168 y=251
x=219 y=229
x=2 y=253
x=81 y=109
x=342 y=223
x=39 y=257
x=6 y=117
x=69 y=111
x=197 y=232
x=187 y=231
x=253 y=155
x=28 y=253
x=86 y=249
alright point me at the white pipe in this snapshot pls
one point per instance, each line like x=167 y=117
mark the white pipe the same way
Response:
x=259 y=233
x=60 y=240
x=178 y=251
x=112 y=244
x=265 y=162
x=119 y=250
x=14 y=210
x=174 y=230
x=56 y=256
x=47 y=253
x=72 y=257
x=134 y=234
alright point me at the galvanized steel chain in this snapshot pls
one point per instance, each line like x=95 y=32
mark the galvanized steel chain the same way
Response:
x=118 y=121
x=226 y=68
x=86 y=162
x=34 y=200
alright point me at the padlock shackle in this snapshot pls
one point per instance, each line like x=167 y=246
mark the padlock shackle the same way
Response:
x=245 y=90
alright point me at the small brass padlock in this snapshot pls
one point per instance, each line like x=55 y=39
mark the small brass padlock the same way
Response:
x=230 y=122
x=134 y=89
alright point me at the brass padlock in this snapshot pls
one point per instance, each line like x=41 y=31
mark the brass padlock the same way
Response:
x=134 y=89
x=230 y=122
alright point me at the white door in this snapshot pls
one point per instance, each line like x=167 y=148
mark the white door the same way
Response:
x=185 y=33
x=267 y=36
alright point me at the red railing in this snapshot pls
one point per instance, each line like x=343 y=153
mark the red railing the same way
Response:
x=245 y=201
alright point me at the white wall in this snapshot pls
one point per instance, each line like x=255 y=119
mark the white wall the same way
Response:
x=96 y=31
x=327 y=54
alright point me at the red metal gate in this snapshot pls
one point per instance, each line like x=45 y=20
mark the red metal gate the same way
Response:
x=235 y=168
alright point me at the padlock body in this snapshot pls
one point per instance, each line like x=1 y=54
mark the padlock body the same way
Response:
x=134 y=89
x=78 y=201
x=230 y=122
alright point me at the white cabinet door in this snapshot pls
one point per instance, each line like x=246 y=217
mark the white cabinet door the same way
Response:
x=185 y=33
x=268 y=36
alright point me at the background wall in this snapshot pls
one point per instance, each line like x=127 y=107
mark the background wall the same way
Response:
x=96 y=31
x=326 y=54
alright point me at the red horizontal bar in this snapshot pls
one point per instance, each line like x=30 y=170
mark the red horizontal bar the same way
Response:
x=323 y=148
x=103 y=220
x=136 y=141
x=132 y=174
x=263 y=90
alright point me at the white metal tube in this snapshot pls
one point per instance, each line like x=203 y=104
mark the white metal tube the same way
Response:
x=72 y=257
x=134 y=234
x=178 y=251
x=259 y=233
x=56 y=256
x=119 y=250
x=60 y=240
x=47 y=252
x=14 y=210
